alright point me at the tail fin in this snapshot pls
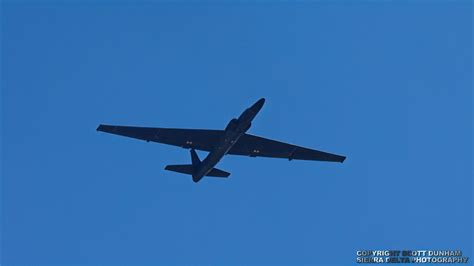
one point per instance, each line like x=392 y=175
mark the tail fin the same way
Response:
x=186 y=168
x=190 y=168
x=195 y=159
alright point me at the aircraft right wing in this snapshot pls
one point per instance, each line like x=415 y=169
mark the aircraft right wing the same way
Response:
x=254 y=146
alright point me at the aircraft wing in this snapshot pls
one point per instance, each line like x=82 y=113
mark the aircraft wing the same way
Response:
x=199 y=139
x=205 y=140
x=254 y=146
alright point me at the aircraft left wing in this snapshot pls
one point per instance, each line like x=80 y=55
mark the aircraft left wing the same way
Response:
x=254 y=146
x=199 y=139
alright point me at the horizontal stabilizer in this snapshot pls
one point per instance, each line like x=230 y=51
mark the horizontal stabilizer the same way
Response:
x=181 y=168
x=188 y=169
x=218 y=173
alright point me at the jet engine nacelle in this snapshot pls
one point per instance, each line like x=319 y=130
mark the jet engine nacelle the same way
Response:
x=247 y=128
x=233 y=124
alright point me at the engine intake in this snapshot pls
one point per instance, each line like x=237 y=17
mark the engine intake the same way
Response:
x=233 y=124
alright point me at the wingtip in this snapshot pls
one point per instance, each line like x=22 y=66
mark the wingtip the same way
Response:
x=104 y=128
x=343 y=159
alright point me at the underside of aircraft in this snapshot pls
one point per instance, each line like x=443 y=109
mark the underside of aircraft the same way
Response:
x=233 y=140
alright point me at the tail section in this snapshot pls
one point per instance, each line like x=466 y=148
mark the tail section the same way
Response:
x=191 y=169
x=181 y=168
x=218 y=173
x=195 y=159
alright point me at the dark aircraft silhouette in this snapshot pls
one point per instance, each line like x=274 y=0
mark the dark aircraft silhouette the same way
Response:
x=232 y=140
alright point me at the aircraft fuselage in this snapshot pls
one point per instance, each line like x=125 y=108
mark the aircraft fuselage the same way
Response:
x=234 y=130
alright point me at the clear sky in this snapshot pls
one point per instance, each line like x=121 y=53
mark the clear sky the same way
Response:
x=389 y=85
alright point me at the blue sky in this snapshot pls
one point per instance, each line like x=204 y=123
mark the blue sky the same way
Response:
x=389 y=85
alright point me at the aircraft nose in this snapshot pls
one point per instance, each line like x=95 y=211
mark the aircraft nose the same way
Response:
x=258 y=105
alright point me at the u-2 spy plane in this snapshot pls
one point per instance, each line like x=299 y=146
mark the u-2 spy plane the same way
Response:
x=232 y=140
